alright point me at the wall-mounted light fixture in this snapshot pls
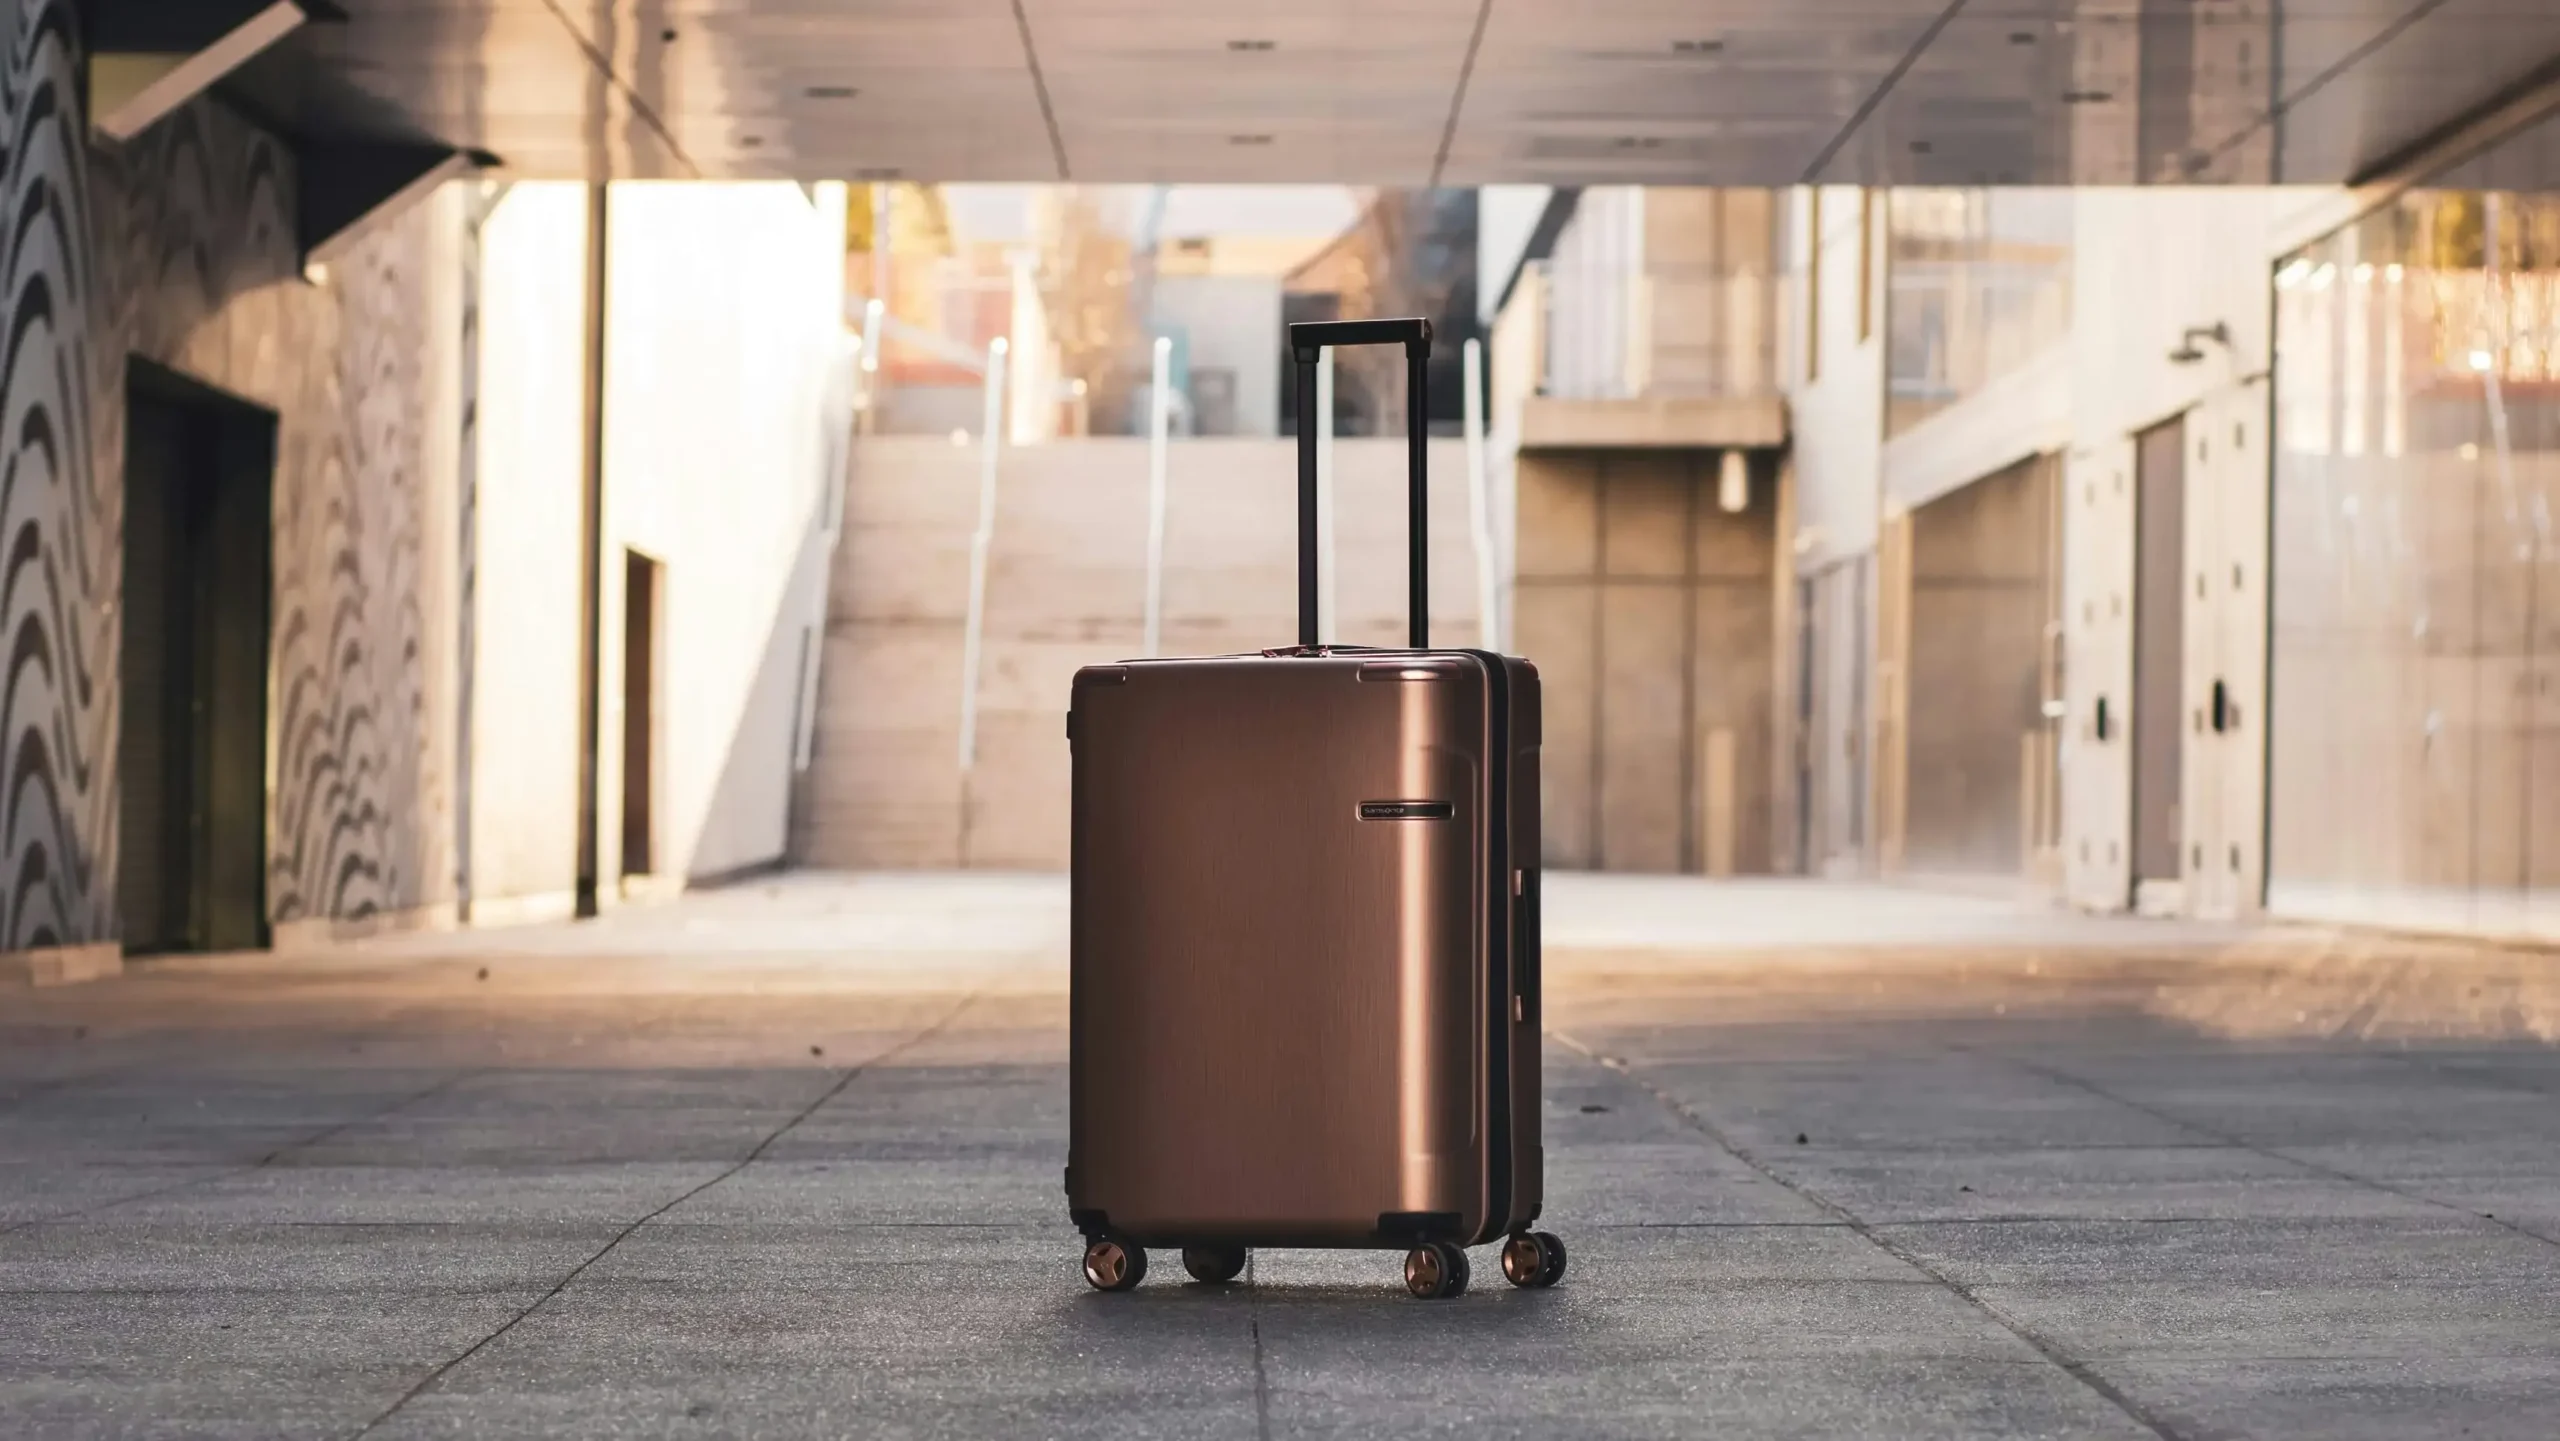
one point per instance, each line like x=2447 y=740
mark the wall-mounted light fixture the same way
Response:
x=1733 y=483
x=2189 y=351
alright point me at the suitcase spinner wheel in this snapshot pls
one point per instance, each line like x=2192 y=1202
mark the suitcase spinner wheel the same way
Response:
x=1533 y=1259
x=1436 y=1271
x=1111 y=1264
x=1215 y=1265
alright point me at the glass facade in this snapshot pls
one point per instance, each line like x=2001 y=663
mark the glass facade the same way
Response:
x=2414 y=767
x=1980 y=284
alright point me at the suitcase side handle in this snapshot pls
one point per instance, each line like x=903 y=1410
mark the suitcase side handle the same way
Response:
x=1307 y=339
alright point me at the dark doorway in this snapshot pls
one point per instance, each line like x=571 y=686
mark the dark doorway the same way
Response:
x=2159 y=649
x=192 y=755
x=643 y=585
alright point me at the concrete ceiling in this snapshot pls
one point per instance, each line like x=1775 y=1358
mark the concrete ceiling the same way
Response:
x=1412 y=92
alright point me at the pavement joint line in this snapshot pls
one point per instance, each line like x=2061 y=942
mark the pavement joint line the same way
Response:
x=2077 y=1369
x=1253 y=1328
x=2055 y=1073
x=843 y=1079
x=220 y=1172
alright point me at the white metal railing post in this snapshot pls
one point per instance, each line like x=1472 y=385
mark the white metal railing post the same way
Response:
x=973 y=638
x=868 y=382
x=835 y=476
x=1159 y=433
x=1480 y=499
x=1326 y=614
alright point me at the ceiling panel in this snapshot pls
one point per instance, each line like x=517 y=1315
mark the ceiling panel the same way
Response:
x=2528 y=161
x=1363 y=91
x=2394 y=96
x=1992 y=100
x=1649 y=93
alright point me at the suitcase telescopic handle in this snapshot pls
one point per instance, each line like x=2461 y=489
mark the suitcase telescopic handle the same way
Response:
x=1307 y=339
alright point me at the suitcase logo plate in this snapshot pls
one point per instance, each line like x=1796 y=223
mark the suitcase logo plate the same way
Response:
x=1407 y=810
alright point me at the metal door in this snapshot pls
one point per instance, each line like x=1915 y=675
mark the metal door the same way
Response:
x=2159 y=665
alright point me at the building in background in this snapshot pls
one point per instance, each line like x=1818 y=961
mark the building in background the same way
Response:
x=1640 y=430
x=2184 y=552
x=1413 y=252
x=2029 y=529
x=1110 y=269
x=1967 y=660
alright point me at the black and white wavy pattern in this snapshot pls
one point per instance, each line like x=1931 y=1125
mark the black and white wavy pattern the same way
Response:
x=180 y=247
x=351 y=708
x=56 y=703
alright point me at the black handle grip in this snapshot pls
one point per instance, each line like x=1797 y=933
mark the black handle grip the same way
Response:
x=2222 y=710
x=1306 y=339
x=2102 y=718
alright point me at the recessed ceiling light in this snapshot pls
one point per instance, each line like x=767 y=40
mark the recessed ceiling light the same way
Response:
x=1696 y=47
x=2022 y=37
x=1252 y=46
x=2087 y=97
x=1248 y=140
x=830 y=92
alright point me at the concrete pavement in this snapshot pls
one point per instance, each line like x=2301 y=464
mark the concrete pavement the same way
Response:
x=783 y=1161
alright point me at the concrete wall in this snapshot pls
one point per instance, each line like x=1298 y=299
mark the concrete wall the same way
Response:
x=1836 y=383
x=1975 y=742
x=726 y=417
x=728 y=403
x=1649 y=611
x=523 y=827
x=1513 y=362
x=2026 y=412
x=1067 y=588
x=1711 y=292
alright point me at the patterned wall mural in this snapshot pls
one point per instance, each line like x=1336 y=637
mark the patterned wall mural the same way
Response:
x=180 y=248
x=56 y=525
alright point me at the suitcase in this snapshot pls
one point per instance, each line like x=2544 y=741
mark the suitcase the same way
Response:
x=1304 y=939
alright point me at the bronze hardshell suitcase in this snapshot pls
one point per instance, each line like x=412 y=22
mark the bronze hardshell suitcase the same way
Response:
x=1304 y=965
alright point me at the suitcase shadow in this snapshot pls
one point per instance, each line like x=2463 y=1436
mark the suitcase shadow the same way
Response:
x=1493 y=1308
